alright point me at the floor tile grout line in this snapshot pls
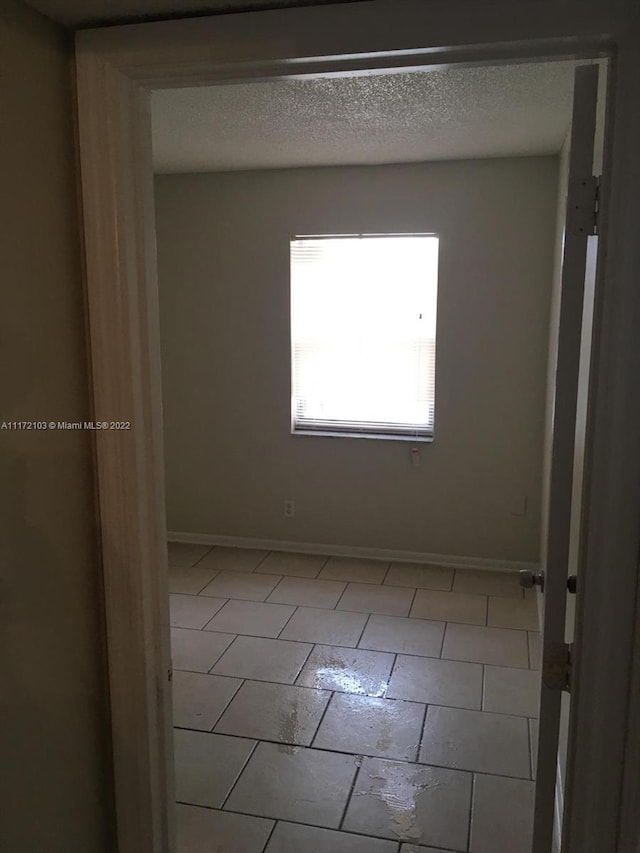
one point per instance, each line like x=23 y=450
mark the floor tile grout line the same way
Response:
x=520 y=592
x=240 y=575
x=351 y=579
x=295 y=683
x=352 y=788
x=304 y=663
x=349 y=832
x=485 y=663
x=451 y=659
x=220 y=655
x=270 y=836
x=398 y=585
x=396 y=655
x=386 y=574
x=444 y=634
x=364 y=628
x=216 y=572
x=263 y=680
x=224 y=710
x=200 y=559
x=471 y=807
x=382 y=651
x=368 y=696
x=260 y=562
x=359 y=612
x=413 y=601
x=170 y=569
x=456 y=660
x=422 y=733
x=200 y=630
x=321 y=720
x=242 y=769
x=268 y=596
x=290 y=575
x=346 y=587
x=296 y=607
x=363 y=755
x=423 y=724
x=326 y=563
x=209 y=621
x=359 y=695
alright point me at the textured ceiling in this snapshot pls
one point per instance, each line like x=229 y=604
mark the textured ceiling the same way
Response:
x=93 y=13
x=438 y=115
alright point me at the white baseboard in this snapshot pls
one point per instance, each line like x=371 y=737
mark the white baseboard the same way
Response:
x=451 y=560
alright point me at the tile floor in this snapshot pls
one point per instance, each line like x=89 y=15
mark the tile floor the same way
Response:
x=335 y=705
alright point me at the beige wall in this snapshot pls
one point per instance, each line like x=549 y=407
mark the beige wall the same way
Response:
x=224 y=287
x=53 y=716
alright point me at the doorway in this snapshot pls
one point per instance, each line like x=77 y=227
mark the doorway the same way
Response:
x=376 y=679
x=125 y=261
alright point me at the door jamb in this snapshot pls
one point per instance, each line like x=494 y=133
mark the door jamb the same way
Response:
x=116 y=68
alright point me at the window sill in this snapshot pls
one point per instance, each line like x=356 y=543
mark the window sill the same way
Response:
x=421 y=439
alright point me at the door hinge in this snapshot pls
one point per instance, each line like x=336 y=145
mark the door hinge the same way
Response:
x=556 y=666
x=584 y=213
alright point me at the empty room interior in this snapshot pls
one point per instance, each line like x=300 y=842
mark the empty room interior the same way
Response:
x=358 y=283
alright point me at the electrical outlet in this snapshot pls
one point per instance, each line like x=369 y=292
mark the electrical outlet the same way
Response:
x=289 y=508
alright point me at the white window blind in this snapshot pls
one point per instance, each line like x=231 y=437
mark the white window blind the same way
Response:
x=363 y=327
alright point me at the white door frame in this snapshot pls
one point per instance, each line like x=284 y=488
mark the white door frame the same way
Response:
x=116 y=68
x=562 y=503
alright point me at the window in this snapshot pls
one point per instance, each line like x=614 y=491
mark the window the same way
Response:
x=363 y=327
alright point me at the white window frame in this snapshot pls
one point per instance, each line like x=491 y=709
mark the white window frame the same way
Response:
x=389 y=431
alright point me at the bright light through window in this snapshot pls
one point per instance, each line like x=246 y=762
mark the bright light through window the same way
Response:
x=363 y=327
